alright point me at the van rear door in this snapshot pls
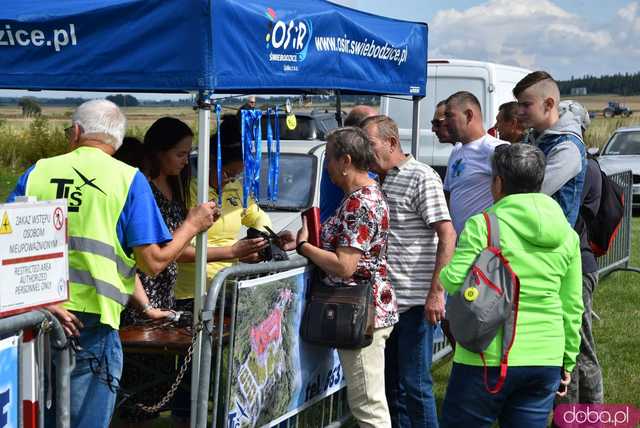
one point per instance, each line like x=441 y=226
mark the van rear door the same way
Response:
x=400 y=109
x=451 y=79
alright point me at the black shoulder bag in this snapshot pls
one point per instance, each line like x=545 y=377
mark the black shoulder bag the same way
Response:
x=338 y=316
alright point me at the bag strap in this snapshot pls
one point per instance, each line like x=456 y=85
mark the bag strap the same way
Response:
x=509 y=326
x=508 y=337
x=493 y=229
x=503 y=375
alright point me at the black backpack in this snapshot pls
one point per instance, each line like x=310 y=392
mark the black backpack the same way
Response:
x=603 y=227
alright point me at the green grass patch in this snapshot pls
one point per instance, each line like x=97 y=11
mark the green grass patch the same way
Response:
x=8 y=179
x=618 y=331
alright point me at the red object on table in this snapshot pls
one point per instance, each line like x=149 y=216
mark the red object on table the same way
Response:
x=312 y=215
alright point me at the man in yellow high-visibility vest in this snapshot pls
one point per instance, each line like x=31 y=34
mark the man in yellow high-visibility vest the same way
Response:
x=114 y=227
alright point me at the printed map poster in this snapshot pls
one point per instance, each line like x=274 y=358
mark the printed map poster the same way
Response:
x=275 y=373
x=9 y=393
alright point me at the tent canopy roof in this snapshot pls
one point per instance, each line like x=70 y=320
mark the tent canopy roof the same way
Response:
x=224 y=46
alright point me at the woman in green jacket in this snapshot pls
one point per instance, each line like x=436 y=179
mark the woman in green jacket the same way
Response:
x=544 y=252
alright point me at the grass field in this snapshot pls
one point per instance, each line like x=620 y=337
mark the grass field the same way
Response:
x=137 y=117
x=597 y=103
x=24 y=140
x=143 y=117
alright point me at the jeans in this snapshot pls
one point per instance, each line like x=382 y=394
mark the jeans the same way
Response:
x=96 y=375
x=409 y=386
x=525 y=400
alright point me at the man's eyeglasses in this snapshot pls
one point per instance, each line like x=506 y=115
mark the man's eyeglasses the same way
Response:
x=68 y=131
x=435 y=123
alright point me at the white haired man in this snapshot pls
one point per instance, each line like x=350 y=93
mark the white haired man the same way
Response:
x=114 y=225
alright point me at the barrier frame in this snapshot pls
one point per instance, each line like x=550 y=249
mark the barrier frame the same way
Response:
x=64 y=359
x=618 y=258
x=333 y=408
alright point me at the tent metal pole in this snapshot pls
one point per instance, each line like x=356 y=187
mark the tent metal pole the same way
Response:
x=339 y=108
x=204 y=130
x=415 y=128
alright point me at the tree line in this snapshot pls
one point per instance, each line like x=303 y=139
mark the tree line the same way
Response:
x=122 y=100
x=620 y=84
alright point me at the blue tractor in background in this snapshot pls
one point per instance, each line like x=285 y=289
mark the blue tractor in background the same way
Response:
x=615 y=108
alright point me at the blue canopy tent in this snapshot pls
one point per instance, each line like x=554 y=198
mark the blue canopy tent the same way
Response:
x=223 y=46
x=209 y=47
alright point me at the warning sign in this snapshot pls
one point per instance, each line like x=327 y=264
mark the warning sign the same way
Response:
x=5 y=226
x=34 y=267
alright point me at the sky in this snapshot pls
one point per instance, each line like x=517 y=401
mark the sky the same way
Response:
x=564 y=37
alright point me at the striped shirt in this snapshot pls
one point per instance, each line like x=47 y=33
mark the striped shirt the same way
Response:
x=416 y=200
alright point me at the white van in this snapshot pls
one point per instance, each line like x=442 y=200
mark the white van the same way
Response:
x=491 y=83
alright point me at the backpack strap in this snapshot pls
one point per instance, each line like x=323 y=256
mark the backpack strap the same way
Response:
x=493 y=229
x=509 y=326
x=508 y=337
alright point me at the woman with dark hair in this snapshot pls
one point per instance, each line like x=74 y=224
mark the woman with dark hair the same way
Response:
x=165 y=163
x=130 y=152
x=167 y=145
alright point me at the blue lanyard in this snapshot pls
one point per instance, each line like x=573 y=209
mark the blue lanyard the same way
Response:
x=251 y=153
x=275 y=168
x=273 y=154
x=269 y=155
x=218 y=110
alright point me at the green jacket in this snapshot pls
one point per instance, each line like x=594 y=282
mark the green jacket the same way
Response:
x=544 y=252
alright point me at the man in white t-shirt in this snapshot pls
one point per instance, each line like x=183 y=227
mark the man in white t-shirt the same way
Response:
x=468 y=179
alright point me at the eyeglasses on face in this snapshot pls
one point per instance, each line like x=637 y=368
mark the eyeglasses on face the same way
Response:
x=68 y=131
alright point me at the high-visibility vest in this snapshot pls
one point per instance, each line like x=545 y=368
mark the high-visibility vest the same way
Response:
x=101 y=273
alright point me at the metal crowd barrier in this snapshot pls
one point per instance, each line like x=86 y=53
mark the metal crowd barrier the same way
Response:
x=34 y=319
x=330 y=412
x=619 y=255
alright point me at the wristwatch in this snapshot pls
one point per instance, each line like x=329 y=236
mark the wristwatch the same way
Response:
x=299 y=247
x=146 y=307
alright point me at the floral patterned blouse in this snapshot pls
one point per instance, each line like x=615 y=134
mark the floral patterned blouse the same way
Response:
x=161 y=288
x=362 y=222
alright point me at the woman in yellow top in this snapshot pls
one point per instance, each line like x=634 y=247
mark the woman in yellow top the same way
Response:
x=224 y=233
x=223 y=236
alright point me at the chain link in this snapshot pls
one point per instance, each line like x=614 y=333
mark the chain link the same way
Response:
x=183 y=369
